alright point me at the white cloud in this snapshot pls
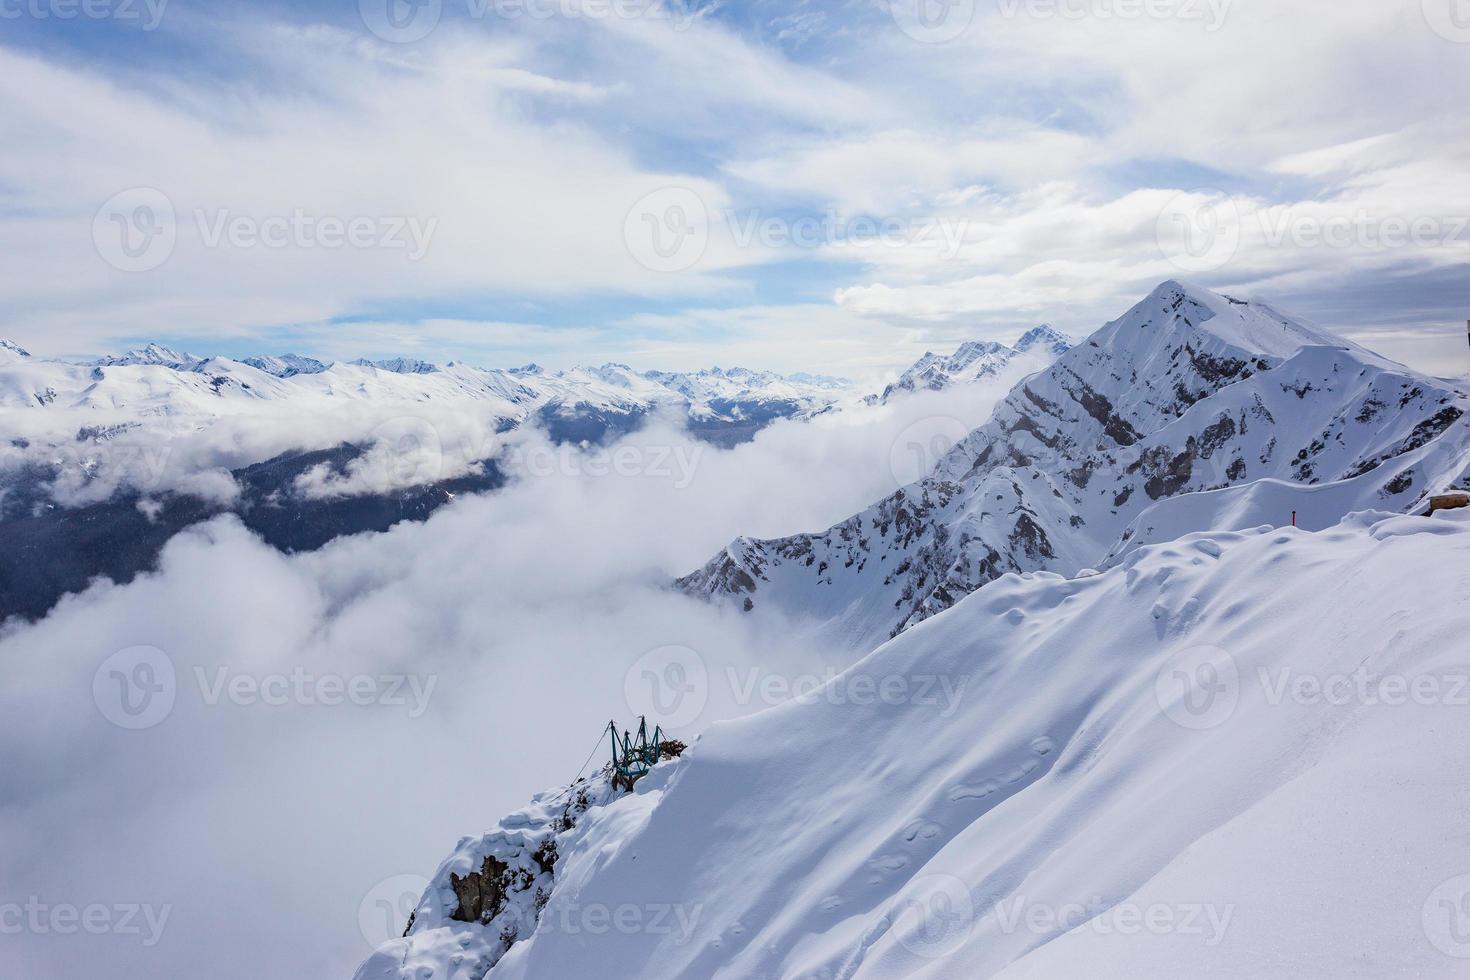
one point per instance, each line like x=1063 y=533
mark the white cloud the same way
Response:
x=514 y=204
x=516 y=615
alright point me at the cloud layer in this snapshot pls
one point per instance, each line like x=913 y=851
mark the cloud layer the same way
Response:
x=320 y=724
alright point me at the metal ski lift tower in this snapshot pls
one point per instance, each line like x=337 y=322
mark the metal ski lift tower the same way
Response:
x=634 y=755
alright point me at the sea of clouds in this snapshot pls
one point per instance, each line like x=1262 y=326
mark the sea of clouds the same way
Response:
x=222 y=768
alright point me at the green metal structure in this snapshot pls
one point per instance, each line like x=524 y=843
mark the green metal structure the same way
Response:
x=634 y=755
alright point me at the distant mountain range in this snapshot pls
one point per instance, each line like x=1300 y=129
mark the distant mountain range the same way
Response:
x=725 y=407
x=71 y=419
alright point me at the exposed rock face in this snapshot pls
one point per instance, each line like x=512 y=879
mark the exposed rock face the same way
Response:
x=481 y=894
x=1186 y=393
x=493 y=890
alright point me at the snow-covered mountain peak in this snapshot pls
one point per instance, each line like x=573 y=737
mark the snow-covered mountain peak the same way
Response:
x=1045 y=338
x=1176 y=311
x=153 y=354
x=1189 y=392
x=736 y=373
x=286 y=365
x=6 y=347
x=399 y=365
x=972 y=361
x=612 y=373
x=972 y=350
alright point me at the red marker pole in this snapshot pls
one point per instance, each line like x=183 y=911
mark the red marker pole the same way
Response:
x=1293 y=518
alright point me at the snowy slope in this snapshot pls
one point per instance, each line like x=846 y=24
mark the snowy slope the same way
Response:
x=1140 y=776
x=974 y=361
x=1187 y=392
x=11 y=353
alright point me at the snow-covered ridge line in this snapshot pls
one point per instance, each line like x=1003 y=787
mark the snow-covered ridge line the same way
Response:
x=975 y=360
x=167 y=394
x=1189 y=391
x=289 y=375
x=877 y=839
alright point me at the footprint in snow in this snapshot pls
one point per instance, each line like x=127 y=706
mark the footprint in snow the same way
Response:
x=889 y=862
x=976 y=792
x=921 y=828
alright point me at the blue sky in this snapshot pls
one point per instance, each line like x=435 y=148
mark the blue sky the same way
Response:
x=800 y=186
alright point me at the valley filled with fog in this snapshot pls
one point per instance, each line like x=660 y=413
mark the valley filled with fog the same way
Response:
x=490 y=644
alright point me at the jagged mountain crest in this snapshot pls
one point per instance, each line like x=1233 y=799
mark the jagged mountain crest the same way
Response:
x=154 y=354
x=1189 y=391
x=973 y=360
x=399 y=365
x=285 y=365
x=1045 y=338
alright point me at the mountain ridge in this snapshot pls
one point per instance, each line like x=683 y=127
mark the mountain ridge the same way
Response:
x=973 y=360
x=1167 y=399
x=1079 y=709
